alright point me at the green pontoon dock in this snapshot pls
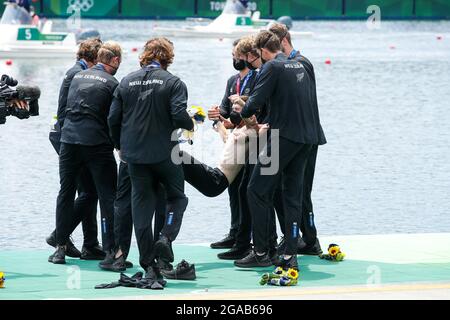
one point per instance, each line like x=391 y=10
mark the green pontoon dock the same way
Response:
x=414 y=266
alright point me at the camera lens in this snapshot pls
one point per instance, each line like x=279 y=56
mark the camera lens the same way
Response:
x=10 y=81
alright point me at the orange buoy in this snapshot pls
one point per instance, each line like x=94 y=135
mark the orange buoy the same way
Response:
x=9 y=62
x=328 y=61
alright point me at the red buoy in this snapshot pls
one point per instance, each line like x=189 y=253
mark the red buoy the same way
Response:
x=327 y=61
x=134 y=50
x=439 y=37
x=392 y=47
x=9 y=62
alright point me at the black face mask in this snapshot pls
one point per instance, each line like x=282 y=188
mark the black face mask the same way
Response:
x=250 y=66
x=235 y=118
x=114 y=71
x=239 y=65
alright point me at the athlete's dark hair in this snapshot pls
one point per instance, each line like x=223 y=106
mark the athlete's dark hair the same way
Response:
x=109 y=50
x=247 y=45
x=88 y=50
x=160 y=49
x=281 y=31
x=268 y=40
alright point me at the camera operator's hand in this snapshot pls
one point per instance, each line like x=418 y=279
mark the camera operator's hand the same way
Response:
x=20 y=104
x=214 y=113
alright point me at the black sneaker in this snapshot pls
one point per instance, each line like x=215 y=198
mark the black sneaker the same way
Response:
x=150 y=280
x=313 y=250
x=164 y=265
x=150 y=274
x=235 y=253
x=128 y=264
x=225 y=243
x=111 y=263
x=51 y=239
x=159 y=276
x=252 y=260
x=154 y=274
x=117 y=265
x=163 y=249
x=93 y=253
x=59 y=257
x=71 y=250
x=289 y=264
x=183 y=271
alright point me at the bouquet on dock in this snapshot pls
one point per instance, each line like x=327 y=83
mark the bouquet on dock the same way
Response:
x=280 y=277
x=2 y=280
x=334 y=253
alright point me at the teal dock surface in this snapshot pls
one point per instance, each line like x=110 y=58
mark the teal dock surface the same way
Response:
x=376 y=267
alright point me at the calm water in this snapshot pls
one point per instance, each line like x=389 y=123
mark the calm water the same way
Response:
x=386 y=168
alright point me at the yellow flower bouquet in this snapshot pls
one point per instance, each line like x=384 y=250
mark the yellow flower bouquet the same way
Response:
x=197 y=113
x=2 y=280
x=280 y=277
x=334 y=253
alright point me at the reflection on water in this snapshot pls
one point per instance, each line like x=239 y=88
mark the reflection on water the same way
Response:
x=386 y=168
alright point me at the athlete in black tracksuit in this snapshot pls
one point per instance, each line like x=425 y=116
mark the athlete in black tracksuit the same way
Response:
x=212 y=182
x=149 y=105
x=285 y=84
x=309 y=243
x=123 y=218
x=240 y=86
x=85 y=142
x=85 y=206
x=243 y=236
x=209 y=181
